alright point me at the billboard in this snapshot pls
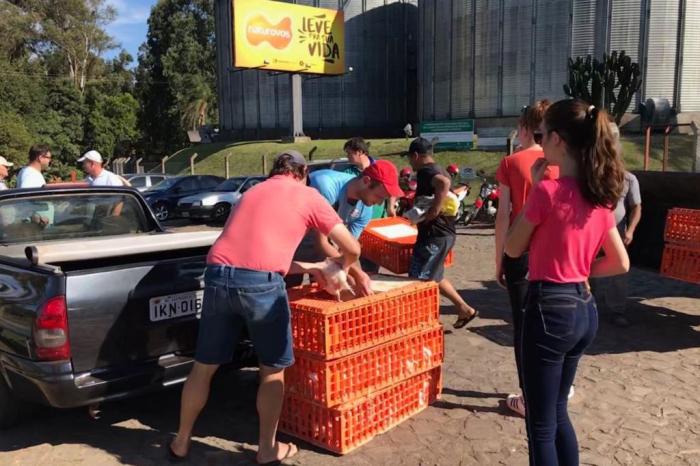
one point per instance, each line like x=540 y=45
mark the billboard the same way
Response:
x=287 y=37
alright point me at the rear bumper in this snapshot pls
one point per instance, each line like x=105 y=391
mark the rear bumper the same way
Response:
x=54 y=384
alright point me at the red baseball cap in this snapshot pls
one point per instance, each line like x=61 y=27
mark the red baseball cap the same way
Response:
x=385 y=172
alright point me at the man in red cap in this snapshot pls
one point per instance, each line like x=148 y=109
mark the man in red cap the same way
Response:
x=352 y=197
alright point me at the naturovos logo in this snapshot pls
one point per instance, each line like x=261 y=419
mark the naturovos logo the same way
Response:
x=259 y=30
x=315 y=33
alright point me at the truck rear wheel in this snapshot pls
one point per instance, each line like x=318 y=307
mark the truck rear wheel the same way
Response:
x=10 y=406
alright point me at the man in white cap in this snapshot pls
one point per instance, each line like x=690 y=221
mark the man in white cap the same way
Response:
x=4 y=173
x=97 y=175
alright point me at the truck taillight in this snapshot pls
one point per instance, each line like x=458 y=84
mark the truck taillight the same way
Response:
x=51 y=330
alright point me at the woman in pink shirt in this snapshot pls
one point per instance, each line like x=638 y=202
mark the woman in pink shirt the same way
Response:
x=563 y=225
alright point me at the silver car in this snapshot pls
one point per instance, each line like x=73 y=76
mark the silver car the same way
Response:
x=216 y=205
x=143 y=181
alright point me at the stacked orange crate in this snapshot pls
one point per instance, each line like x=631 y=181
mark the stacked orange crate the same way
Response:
x=681 y=259
x=362 y=366
x=393 y=254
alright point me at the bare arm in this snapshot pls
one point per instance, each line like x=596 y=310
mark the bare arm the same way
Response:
x=502 y=221
x=635 y=216
x=362 y=280
x=391 y=207
x=519 y=236
x=347 y=244
x=441 y=183
x=615 y=261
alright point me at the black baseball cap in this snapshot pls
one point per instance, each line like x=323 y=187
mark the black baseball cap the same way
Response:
x=420 y=146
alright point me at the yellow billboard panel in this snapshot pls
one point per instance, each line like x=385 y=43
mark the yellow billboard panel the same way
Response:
x=287 y=37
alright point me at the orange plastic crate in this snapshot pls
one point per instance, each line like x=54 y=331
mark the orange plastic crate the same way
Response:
x=326 y=328
x=681 y=263
x=683 y=226
x=346 y=379
x=343 y=428
x=393 y=254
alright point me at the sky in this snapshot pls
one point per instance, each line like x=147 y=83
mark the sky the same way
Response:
x=130 y=27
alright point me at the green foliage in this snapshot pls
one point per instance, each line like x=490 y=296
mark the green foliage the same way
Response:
x=176 y=74
x=609 y=84
x=15 y=138
x=46 y=96
x=111 y=122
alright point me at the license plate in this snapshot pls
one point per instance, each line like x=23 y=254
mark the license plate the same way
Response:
x=185 y=214
x=176 y=305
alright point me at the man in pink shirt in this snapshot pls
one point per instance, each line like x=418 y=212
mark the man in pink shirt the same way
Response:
x=244 y=286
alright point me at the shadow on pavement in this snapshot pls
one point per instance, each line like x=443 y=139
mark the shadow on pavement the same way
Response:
x=230 y=416
x=653 y=327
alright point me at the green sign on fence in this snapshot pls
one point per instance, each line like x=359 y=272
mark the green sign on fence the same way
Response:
x=449 y=134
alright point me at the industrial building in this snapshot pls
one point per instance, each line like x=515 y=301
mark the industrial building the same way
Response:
x=488 y=58
x=426 y=60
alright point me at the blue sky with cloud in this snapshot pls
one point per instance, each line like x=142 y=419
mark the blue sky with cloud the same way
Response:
x=130 y=27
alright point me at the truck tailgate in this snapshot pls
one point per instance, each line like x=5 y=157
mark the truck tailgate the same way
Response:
x=133 y=313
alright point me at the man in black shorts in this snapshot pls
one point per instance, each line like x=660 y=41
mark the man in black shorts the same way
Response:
x=436 y=232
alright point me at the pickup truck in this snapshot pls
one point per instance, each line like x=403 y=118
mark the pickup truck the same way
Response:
x=97 y=300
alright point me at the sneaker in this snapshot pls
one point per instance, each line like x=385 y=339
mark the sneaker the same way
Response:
x=571 y=392
x=516 y=403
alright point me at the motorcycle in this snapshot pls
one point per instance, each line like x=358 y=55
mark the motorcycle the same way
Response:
x=485 y=206
x=462 y=191
x=405 y=203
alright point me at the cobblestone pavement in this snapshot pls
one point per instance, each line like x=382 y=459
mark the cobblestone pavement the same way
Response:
x=636 y=396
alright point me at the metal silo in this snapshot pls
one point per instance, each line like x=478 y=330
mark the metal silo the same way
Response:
x=376 y=98
x=507 y=53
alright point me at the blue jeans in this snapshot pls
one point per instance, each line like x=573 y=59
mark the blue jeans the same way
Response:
x=560 y=322
x=235 y=297
x=515 y=271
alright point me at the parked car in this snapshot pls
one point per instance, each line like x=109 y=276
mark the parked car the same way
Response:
x=216 y=205
x=335 y=164
x=163 y=198
x=97 y=301
x=143 y=181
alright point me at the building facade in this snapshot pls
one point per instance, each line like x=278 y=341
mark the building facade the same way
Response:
x=488 y=58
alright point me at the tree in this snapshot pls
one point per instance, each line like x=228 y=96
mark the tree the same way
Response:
x=175 y=79
x=609 y=84
x=76 y=29
x=111 y=122
x=15 y=139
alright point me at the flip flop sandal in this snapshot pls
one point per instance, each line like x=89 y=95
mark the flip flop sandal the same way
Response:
x=290 y=447
x=463 y=321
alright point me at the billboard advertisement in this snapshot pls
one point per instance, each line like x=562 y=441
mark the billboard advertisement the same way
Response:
x=287 y=37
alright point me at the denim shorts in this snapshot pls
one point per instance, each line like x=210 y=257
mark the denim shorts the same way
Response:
x=235 y=297
x=429 y=254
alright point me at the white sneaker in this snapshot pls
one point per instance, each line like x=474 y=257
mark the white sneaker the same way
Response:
x=571 y=392
x=516 y=403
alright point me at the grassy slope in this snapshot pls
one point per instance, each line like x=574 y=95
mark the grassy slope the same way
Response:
x=246 y=157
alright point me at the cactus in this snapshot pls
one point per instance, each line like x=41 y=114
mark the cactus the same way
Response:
x=610 y=83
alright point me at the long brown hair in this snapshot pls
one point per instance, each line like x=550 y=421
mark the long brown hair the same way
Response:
x=586 y=131
x=532 y=115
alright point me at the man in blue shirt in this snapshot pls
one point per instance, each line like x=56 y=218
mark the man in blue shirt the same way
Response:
x=353 y=198
x=334 y=186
